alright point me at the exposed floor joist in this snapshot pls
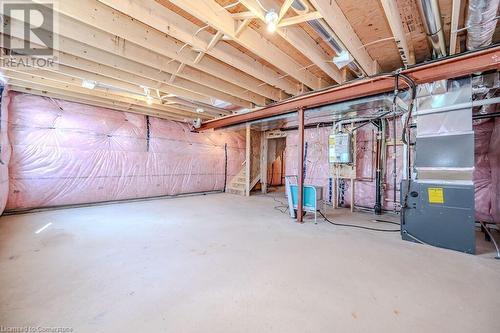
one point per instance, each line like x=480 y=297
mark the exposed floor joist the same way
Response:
x=104 y=103
x=299 y=39
x=43 y=81
x=88 y=21
x=217 y=17
x=394 y=18
x=90 y=43
x=216 y=55
x=338 y=22
x=250 y=75
x=455 y=18
x=20 y=86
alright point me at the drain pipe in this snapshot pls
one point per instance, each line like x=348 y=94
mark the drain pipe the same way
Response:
x=431 y=17
x=380 y=124
x=481 y=22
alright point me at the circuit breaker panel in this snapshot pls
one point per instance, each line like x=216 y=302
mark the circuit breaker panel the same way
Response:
x=340 y=148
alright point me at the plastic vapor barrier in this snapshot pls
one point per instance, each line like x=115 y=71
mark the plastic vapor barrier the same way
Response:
x=487 y=169
x=5 y=150
x=317 y=169
x=66 y=153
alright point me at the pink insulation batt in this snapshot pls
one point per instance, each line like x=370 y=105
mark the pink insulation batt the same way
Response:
x=318 y=168
x=487 y=169
x=5 y=151
x=67 y=153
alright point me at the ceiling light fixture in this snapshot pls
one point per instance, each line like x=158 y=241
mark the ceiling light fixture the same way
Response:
x=89 y=84
x=149 y=98
x=272 y=20
x=200 y=110
x=342 y=59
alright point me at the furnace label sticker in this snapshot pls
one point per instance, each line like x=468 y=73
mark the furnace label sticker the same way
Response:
x=436 y=195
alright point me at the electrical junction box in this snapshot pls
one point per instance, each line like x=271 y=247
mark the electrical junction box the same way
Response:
x=340 y=148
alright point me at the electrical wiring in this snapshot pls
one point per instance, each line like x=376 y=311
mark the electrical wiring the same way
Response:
x=232 y=5
x=262 y=6
x=357 y=226
x=385 y=221
x=283 y=205
x=280 y=206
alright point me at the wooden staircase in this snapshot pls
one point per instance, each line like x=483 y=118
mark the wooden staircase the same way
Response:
x=238 y=184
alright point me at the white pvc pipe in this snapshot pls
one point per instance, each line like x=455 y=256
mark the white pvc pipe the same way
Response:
x=467 y=105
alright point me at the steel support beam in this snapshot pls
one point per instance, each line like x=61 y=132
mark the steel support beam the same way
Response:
x=300 y=176
x=447 y=68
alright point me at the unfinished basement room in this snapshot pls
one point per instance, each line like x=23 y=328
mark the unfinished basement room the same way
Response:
x=235 y=166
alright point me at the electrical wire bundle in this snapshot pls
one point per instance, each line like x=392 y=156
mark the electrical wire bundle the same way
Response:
x=360 y=226
x=285 y=210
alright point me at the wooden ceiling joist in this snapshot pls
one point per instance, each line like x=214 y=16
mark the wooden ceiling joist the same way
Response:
x=394 y=18
x=300 y=19
x=216 y=55
x=98 y=25
x=81 y=40
x=232 y=65
x=84 y=99
x=75 y=76
x=455 y=18
x=299 y=39
x=40 y=76
x=44 y=83
x=336 y=19
x=211 y=13
x=284 y=9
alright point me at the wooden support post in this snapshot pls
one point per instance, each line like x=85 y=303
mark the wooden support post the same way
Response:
x=247 y=161
x=300 y=187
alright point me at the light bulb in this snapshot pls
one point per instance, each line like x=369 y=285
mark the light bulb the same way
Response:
x=271 y=27
x=89 y=84
x=272 y=20
x=149 y=100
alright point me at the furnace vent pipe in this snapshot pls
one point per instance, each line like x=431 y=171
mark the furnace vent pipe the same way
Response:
x=431 y=17
x=481 y=23
x=327 y=35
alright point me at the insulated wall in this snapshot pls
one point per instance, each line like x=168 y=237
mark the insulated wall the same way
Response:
x=66 y=153
x=4 y=150
x=317 y=167
x=486 y=171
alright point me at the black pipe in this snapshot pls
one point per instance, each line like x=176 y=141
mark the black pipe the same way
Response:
x=395 y=148
x=225 y=167
x=378 y=176
x=486 y=116
x=148 y=133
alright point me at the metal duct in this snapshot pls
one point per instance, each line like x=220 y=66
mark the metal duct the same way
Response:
x=481 y=22
x=431 y=17
x=328 y=36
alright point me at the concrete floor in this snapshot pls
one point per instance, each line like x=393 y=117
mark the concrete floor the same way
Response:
x=221 y=263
